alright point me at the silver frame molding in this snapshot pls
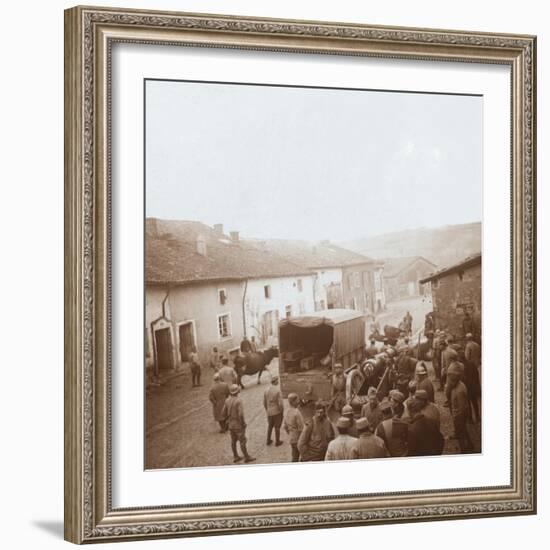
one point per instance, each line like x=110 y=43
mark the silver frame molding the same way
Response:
x=89 y=35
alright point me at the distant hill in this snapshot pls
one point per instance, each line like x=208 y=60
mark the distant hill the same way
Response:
x=442 y=245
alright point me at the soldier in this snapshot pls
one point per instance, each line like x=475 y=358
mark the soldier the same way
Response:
x=293 y=425
x=437 y=344
x=273 y=405
x=408 y=320
x=316 y=435
x=394 y=431
x=218 y=394
x=338 y=388
x=368 y=444
x=347 y=412
x=472 y=354
x=227 y=373
x=195 y=367
x=246 y=346
x=371 y=409
x=448 y=355
x=233 y=412
x=424 y=437
x=459 y=406
x=406 y=365
x=344 y=446
x=214 y=359
x=372 y=350
x=423 y=382
x=429 y=409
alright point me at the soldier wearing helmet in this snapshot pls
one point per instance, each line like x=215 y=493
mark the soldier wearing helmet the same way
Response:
x=459 y=405
x=423 y=382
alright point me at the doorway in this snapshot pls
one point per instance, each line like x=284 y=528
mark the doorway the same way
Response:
x=187 y=340
x=163 y=344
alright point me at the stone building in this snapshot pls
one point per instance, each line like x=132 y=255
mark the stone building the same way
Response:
x=204 y=288
x=402 y=276
x=456 y=297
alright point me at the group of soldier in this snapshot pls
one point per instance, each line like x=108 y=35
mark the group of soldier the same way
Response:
x=402 y=421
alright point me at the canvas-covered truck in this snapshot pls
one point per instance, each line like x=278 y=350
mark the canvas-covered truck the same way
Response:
x=310 y=346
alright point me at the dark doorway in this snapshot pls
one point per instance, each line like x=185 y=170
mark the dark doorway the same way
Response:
x=187 y=340
x=163 y=342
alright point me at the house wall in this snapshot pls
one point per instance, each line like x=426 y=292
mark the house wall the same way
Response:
x=406 y=283
x=263 y=314
x=452 y=296
x=363 y=288
x=199 y=304
x=328 y=288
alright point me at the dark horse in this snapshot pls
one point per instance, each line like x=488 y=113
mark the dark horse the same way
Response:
x=256 y=362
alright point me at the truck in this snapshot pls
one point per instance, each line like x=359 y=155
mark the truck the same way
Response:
x=310 y=346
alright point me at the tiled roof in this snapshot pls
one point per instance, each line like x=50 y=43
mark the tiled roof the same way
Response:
x=171 y=256
x=470 y=261
x=394 y=266
x=312 y=255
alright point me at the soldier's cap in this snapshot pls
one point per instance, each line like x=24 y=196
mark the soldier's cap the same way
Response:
x=292 y=397
x=421 y=394
x=390 y=352
x=455 y=368
x=217 y=376
x=384 y=406
x=412 y=385
x=347 y=409
x=234 y=389
x=320 y=405
x=338 y=366
x=343 y=422
x=421 y=369
x=469 y=335
x=362 y=424
x=397 y=396
x=372 y=392
x=274 y=379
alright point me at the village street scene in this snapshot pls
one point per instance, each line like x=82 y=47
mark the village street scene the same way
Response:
x=215 y=302
x=312 y=274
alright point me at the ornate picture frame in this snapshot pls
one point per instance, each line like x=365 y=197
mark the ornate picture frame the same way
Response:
x=90 y=34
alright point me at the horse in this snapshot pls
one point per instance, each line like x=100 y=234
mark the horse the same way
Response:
x=257 y=362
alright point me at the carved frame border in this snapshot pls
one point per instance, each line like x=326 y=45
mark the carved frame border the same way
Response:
x=89 y=34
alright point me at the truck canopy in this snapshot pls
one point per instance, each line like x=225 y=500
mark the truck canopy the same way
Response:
x=343 y=327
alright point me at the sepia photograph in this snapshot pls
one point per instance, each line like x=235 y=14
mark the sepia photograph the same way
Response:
x=312 y=274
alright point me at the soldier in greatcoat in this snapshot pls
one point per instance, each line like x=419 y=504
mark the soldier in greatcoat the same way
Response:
x=218 y=394
x=338 y=388
x=273 y=405
x=233 y=412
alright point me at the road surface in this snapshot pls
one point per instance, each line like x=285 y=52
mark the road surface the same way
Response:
x=181 y=431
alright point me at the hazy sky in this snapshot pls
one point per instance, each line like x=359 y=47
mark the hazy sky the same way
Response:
x=311 y=163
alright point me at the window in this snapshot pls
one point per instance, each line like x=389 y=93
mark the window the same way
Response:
x=224 y=326
x=435 y=283
x=267 y=291
x=299 y=284
x=222 y=296
x=356 y=279
x=323 y=306
x=288 y=311
x=460 y=275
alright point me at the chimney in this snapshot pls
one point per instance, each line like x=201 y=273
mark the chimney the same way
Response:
x=201 y=245
x=218 y=229
x=234 y=236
